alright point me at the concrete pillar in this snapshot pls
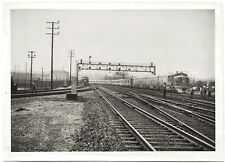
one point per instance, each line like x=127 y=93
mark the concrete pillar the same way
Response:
x=74 y=85
x=73 y=94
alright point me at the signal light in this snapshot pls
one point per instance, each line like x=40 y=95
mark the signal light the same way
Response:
x=89 y=67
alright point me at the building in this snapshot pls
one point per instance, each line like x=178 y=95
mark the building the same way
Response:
x=60 y=75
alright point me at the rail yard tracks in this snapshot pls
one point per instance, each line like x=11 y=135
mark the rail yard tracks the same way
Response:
x=196 y=97
x=184 y=99
x=46 y=93
x=194 y=123
x=153 y=133
x=201 y=113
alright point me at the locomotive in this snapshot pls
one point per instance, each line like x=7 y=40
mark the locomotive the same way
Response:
x=178 y=82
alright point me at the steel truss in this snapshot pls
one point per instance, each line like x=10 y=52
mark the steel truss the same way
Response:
x=116 y=67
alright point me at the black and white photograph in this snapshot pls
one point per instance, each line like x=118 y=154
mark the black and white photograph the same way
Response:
x=114 y=80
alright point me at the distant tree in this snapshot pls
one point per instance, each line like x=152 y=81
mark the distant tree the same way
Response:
x=199 y=83
x=212 y=83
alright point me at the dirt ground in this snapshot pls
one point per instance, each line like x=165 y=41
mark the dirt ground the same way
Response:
x=45 y=123
x=51 y=123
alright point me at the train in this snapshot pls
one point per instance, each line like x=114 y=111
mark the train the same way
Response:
x=178 y=82
x=84 y=81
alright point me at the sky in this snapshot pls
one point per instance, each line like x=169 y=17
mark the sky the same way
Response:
x=174 y=40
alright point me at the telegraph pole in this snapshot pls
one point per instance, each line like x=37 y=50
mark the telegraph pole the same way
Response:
x=42 y=77
x=31 y=55
x=71 y=56
x=26 y=76
x=89 y=59
x=52 y=33
x=15 y=69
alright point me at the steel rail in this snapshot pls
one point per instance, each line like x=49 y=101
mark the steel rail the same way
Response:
x=203 y=137
x=40 y=91
x=179 y=108
x=206 y=118
x=197 y=97
x=47 y=93
x=185 y=105
x=183 y=98
x=28 y=92
x=194 y=101
x=168 y=125
x=147 y=145
x=198 y=100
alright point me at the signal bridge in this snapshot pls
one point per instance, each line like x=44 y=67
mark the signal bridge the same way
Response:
x=116 y=67
x=100 y=66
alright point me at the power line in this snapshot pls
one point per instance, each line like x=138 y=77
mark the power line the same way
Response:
x=31 y=55
x=52 y=33
x=71 y=56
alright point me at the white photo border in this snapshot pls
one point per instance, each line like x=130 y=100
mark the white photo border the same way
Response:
x=213 y=156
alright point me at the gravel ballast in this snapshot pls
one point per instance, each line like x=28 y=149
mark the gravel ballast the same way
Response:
x=97 y=134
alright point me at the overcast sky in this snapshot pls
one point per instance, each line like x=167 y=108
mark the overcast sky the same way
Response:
x=174 y=40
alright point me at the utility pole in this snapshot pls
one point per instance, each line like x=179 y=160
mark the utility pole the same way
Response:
x=89 y=59
x=15 y=69
x=42 y=77
x=31 y=55
x=52 y=33
x=71 y=56
x=26 y=76
x=77 y=73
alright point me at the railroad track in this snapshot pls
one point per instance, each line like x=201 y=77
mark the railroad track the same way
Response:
x=46 y=93
x=192 y=123
x=39 y=91
x=179 y=98
x=205 y=114
x=123 y=128
x=155 y=133
x=187 y=100
x=196 y=97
